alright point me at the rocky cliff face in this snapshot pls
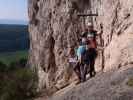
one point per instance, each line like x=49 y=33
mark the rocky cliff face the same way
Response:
x=117 y=21
x=54 y=26
x=108 y=86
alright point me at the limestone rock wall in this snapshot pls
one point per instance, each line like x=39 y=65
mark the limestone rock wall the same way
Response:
x=116 y=17
x=54 y=26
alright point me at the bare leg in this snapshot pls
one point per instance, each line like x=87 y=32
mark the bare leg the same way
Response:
x=92 y=68
x=83 y=69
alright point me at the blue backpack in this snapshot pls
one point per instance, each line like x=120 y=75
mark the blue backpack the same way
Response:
x=84 y=54
x=81 y=50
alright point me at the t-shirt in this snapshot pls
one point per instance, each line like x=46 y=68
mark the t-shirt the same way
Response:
x=92 y=32
x=72 y=60
x=93 y=42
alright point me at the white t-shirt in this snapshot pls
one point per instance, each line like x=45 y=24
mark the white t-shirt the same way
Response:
x=72 y=60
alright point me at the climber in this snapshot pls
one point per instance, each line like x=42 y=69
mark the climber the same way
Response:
x=82 y=54
x=92 y=54
x=91 y=34
x=73 y=63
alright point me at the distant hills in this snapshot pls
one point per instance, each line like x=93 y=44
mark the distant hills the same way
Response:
x=13 y=37
x=11 y=21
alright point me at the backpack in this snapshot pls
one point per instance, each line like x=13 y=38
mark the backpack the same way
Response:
x=84 y=52
x=81 y=50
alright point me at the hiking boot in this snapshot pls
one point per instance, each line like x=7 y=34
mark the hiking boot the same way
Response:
x=92 y=74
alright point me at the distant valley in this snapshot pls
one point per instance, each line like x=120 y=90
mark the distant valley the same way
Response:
x=13 y=37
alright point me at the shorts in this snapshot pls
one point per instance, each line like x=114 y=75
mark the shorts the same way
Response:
x=86 y=58
x=92 y=54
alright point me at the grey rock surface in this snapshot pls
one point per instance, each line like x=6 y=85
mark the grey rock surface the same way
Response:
x=54 y=26
x=105 y=86
x=117 y=21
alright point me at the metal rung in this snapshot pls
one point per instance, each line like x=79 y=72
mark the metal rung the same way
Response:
x=85 y=15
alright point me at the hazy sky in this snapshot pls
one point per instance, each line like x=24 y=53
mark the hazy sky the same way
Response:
x=13 y=9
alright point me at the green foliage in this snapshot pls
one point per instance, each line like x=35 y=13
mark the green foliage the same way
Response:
x=9 y=57
x=17 y=83
x=130 y=82
x=3 y=67
x=21 y=63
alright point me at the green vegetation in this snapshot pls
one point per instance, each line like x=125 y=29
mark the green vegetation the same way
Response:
x=9 y=57
x=17 y=82
x=130 y=82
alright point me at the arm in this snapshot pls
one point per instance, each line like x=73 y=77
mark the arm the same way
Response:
x=101 y=30
x=79 y=58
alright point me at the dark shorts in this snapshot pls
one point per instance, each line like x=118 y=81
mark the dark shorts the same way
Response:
x=87 y=61
x=92 y=54
x=86 y=58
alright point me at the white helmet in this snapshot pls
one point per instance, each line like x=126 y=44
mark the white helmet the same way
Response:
x=90 y=36
x=89 y=24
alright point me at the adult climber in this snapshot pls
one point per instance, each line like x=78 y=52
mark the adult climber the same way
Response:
x=91 y=34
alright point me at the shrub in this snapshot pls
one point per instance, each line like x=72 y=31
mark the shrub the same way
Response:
x=19 y=84
x=130 y=82
x=3 y=67
x=13 y=66
x=21 y=63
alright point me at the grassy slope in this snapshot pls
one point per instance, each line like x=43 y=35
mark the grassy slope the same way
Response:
x=9 y=57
